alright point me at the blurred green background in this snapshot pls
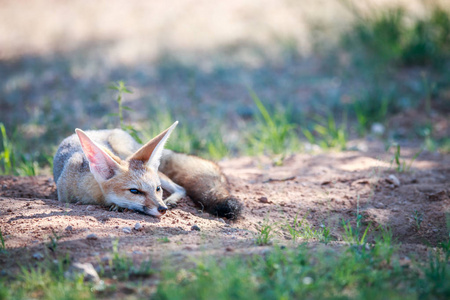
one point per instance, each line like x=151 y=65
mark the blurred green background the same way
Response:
x=242 y=77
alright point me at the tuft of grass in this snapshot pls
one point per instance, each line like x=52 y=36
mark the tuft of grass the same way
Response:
x=327 y=134
x=184 y=139
x=302 y=229
x=401 y=164
x=391 y=36
x=46 y=281
x=163 y=240
x=216 y=146
x=298 y=273
x=355 y=235
x=53 y=241
x=273 y=133
x=12 y=162
x=122 y=89
x=384 y=244
x=121 y=266
x=370 y=109
x=7 y=154
x=418 y=218
x=265 y=235
x=2 y=242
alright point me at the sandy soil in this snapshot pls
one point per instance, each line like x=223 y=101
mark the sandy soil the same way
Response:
x=326 y=188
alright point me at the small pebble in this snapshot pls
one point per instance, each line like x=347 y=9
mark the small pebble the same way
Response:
x=69 y=228
x=377 y=129
x=92 y=237
x=137 y=226
x=195 y=227
x=378 y=205
x=393 y=180
x=263 y=199
x=90 y=207
x=126 y=229
x=86 y=269
x=38 y=256
x=221 y=221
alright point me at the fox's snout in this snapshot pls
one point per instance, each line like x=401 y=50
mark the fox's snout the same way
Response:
x=156 y=211
x=162 y=210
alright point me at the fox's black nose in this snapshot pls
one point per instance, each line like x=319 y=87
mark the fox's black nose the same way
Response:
x=162 y=210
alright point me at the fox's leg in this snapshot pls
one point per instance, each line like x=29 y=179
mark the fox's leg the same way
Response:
x=177 y=192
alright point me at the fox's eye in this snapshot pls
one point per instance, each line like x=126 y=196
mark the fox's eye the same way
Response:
x=158 y=188
x=135 y=191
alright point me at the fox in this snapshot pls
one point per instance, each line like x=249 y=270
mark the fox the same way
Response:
x=110 y=168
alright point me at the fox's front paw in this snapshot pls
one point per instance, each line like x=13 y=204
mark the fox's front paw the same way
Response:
x=116 y=208
x=171 y=203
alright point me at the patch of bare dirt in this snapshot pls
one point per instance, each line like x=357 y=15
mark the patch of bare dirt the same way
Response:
x=326 y=188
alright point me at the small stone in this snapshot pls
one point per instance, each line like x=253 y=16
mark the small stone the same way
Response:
x=195 y=227
x=69 y=228
x=126 y=230
x=377 y=129
x=438 y=196
x=221 y=221
x=87 y=270
x=263 y=199
x=137 y=226
x=137 y=252
x=4 y=187
x=229 y=249
x=92 y=237
x=38 y=256
x=9 y=210
x=378 y=205
x=393 y=180
x=90 y=207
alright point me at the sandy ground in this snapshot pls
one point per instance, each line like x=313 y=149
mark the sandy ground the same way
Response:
x=326 y=188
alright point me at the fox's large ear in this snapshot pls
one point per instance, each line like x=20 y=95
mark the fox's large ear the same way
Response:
x=151 y=152
x=100 y=163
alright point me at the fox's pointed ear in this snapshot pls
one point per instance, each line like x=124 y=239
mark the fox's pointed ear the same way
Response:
x=100 y=163
x=151 y=152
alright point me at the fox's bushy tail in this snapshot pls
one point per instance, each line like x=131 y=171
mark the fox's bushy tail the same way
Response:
x=204 y=182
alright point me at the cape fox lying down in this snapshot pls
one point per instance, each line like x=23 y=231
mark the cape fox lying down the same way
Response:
x=108 y=167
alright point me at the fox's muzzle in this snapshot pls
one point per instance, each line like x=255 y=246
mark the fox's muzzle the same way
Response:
x=157 y=212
